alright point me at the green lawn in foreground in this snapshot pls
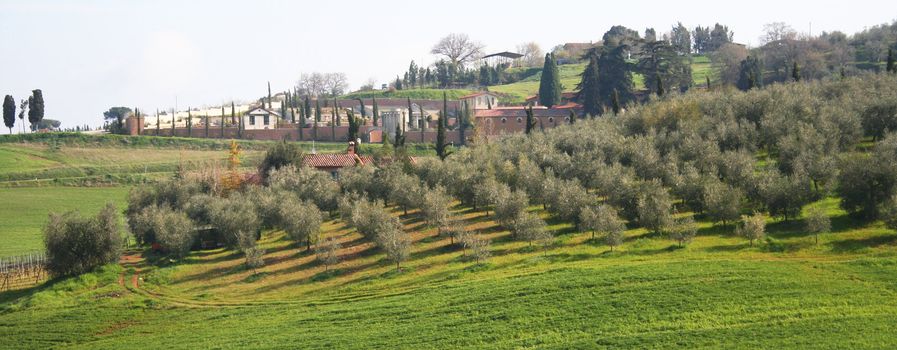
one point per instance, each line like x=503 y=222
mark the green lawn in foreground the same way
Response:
x=23 y=211
x=717 y=292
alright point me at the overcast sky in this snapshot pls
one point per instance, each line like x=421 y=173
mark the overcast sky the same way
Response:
x=89 y=55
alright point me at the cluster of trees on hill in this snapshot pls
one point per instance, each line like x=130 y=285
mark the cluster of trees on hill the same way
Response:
x=33 y=106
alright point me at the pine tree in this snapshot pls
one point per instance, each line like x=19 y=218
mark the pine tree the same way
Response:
x=550 y=84
x=9 y=112
x=376 y=109
x=615 y=102
x=587 y=90
x=891 y=68
x=795 y=72
x=660 y=90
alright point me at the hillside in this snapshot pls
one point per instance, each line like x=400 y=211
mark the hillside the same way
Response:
x=759 y=219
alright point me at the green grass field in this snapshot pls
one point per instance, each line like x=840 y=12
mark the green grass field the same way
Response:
x=24 y=211
x=717 y=292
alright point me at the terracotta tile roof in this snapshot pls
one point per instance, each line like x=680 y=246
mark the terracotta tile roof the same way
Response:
x=332 y=160
x=511 y=112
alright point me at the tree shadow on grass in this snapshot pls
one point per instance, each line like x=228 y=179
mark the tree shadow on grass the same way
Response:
x=859 y=244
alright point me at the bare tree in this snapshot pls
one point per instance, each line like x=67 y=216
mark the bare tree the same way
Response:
x=776 y=31
x=335 y=84
x=458 y=49
x=532 y=54
x=727 y=61
x=312 y=84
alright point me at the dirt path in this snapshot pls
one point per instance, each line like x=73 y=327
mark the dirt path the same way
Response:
x=130 y=261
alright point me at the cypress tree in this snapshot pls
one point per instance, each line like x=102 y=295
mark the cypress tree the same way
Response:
x=158 y=122
x=572 y=117
x=550 y=84
x=233 y=113
x=269 y=96
x=410 y=111
x=708 y=82
x=174 y=114
x=440 y=138
x=588 y=89
x=444 y=108
x=376 y=111
x=353 y=126
x=35 y=108
x=891 y=68
x=189 y=123
x=795 y=72
x=317 y=118
x=205 y=123
x=222 y=122
x=530 y=121
x=615 y=102
x=9 y=112
x=660 y=90
x=333 y=118
x=464 y=123
x=364 y=115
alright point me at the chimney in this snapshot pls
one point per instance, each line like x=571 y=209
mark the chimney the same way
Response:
x=351 y=149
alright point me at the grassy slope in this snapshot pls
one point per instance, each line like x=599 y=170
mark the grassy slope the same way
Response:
x=24 y=211
x=717 y=292
x=519 y=91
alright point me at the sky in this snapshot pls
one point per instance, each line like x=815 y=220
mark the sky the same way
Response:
x=87 y=56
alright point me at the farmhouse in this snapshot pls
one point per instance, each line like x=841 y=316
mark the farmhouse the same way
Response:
x=481 y=100
x=507 y=120
x=333 y=163
x=260 y=119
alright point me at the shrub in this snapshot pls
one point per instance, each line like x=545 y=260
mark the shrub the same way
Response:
x=77 y=244
x=280 y=155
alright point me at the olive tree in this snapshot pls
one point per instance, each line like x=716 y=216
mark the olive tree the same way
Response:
x=173 y=230
x=752 y=227
x=76 y=244
x=530 y=228
x=327 y=252
x=722 y=202
x=435 y=207
x=236 y=218
x=395 y=242
x=478 y=245
x=818 y=222
x=654 y=207
x=300 y=220
x=509 y=206
x=684 y=230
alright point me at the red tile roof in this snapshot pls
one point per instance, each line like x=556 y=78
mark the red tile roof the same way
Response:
x=332 y=160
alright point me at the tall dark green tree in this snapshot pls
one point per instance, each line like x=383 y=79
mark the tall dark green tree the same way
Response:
x=464 y=122
x=352 y=133
x=441 y=147
x=750 y=74
x=334 y=117
x=174 y=115
x=550 y=84
x=660 y=89
x=891 y=67
x=307 y=110
x=795 y=72
x=659 y=58
x=35 y=108
x=707 y=83
x=530 y=119
x=189 y=123
x=222 y=122
x=587 y=92
x=364 y=114
x=269 y=96
x=9 y=112
x=205 y=122
x=410 y=112
x=614 y=74
x=376 y=112
x=158 y=123
x=314 y=129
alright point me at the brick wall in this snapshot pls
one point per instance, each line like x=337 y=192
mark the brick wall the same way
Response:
x=324 y=134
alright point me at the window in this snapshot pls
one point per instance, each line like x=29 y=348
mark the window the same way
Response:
x=503 y=120
x=267 y=120
x=519 y=120
x=567 y=119
x=251 y=119
x=551 y=119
